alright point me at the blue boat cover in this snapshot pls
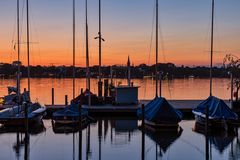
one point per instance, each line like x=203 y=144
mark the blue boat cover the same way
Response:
x=70 y=111
x=159 y=110
x=218 y=109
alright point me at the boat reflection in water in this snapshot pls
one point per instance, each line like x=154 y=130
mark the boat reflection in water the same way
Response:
x=23 y=137
x=124 y=129
x=74 y=128
x=220 y=140
x=120 y=133
x=162 y=138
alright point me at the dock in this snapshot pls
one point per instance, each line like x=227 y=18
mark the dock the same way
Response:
x=185 y=106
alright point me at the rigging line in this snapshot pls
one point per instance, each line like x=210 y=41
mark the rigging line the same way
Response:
x=162 y=46
x=34 y=144
x=217 y=34
x=34 y=31
x=192 y=145
x=13 y=43
x=151 y=40
x=207 y=35
x=21 y=20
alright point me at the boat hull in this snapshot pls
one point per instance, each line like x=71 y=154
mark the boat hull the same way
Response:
x=21 y=121
x=7 y=119
x=68 y=120
x=214 y=124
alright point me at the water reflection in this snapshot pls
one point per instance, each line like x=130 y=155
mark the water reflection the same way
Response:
x=164 y=139
x=115 y=138
x=123 y=129
x=219 y=140
x=234 y=154
x=23 y=137
x=174 y=89
x=71 y=129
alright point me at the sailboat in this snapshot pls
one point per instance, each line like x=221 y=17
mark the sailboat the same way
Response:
x=159 y=113
x=24 y=109
x=213 y=110
x=87 y=97
x=72 y=114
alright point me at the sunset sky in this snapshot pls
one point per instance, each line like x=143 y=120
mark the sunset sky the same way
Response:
x=127 y=29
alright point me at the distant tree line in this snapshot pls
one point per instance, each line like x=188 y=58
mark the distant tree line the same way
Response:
x=169 y=70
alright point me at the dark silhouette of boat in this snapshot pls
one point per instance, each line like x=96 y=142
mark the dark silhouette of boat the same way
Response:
x=160 y=114
x=220 y=116
x=19 y=114
x=71 y=114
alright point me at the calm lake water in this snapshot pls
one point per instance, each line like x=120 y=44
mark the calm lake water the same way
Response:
x=171 y=89
x=116 y=139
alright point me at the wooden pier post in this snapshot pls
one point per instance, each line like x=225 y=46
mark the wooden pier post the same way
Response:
x=160 y=85
x=106 y=88
x=26 y=140
x=143 y=132
x=26 y=115
x=66 y=100
x=206 y=134
x=231 y=77
x=81 y=90
x=52 y=97
x=80 y=131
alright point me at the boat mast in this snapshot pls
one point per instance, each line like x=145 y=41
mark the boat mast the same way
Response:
x=74 y=47
x=18 y=46
x=211 y=63
x=156 y=65
x=28 y=47
x=129 y=72
x=87 y=59
x=100 y=53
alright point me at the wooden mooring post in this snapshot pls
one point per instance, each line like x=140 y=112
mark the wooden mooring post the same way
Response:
x=66 y=100
x=80 y=131
x=143 y=132
x=52 y=97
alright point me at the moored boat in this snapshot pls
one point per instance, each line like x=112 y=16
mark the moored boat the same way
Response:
x=214 y=112
x=15 y=116
x=159 y=114
x=70 y=115
x=220 y=116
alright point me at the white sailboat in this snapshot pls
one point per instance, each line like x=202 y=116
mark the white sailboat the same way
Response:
x=24 y=109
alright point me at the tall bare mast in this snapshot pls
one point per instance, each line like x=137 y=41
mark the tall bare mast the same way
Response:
x=87 y=58
x=100 y=52
x=74 y=47
x=156 y=65
x=28 y=46
x=18 y=48
x=212 y=38
x=129 y=71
